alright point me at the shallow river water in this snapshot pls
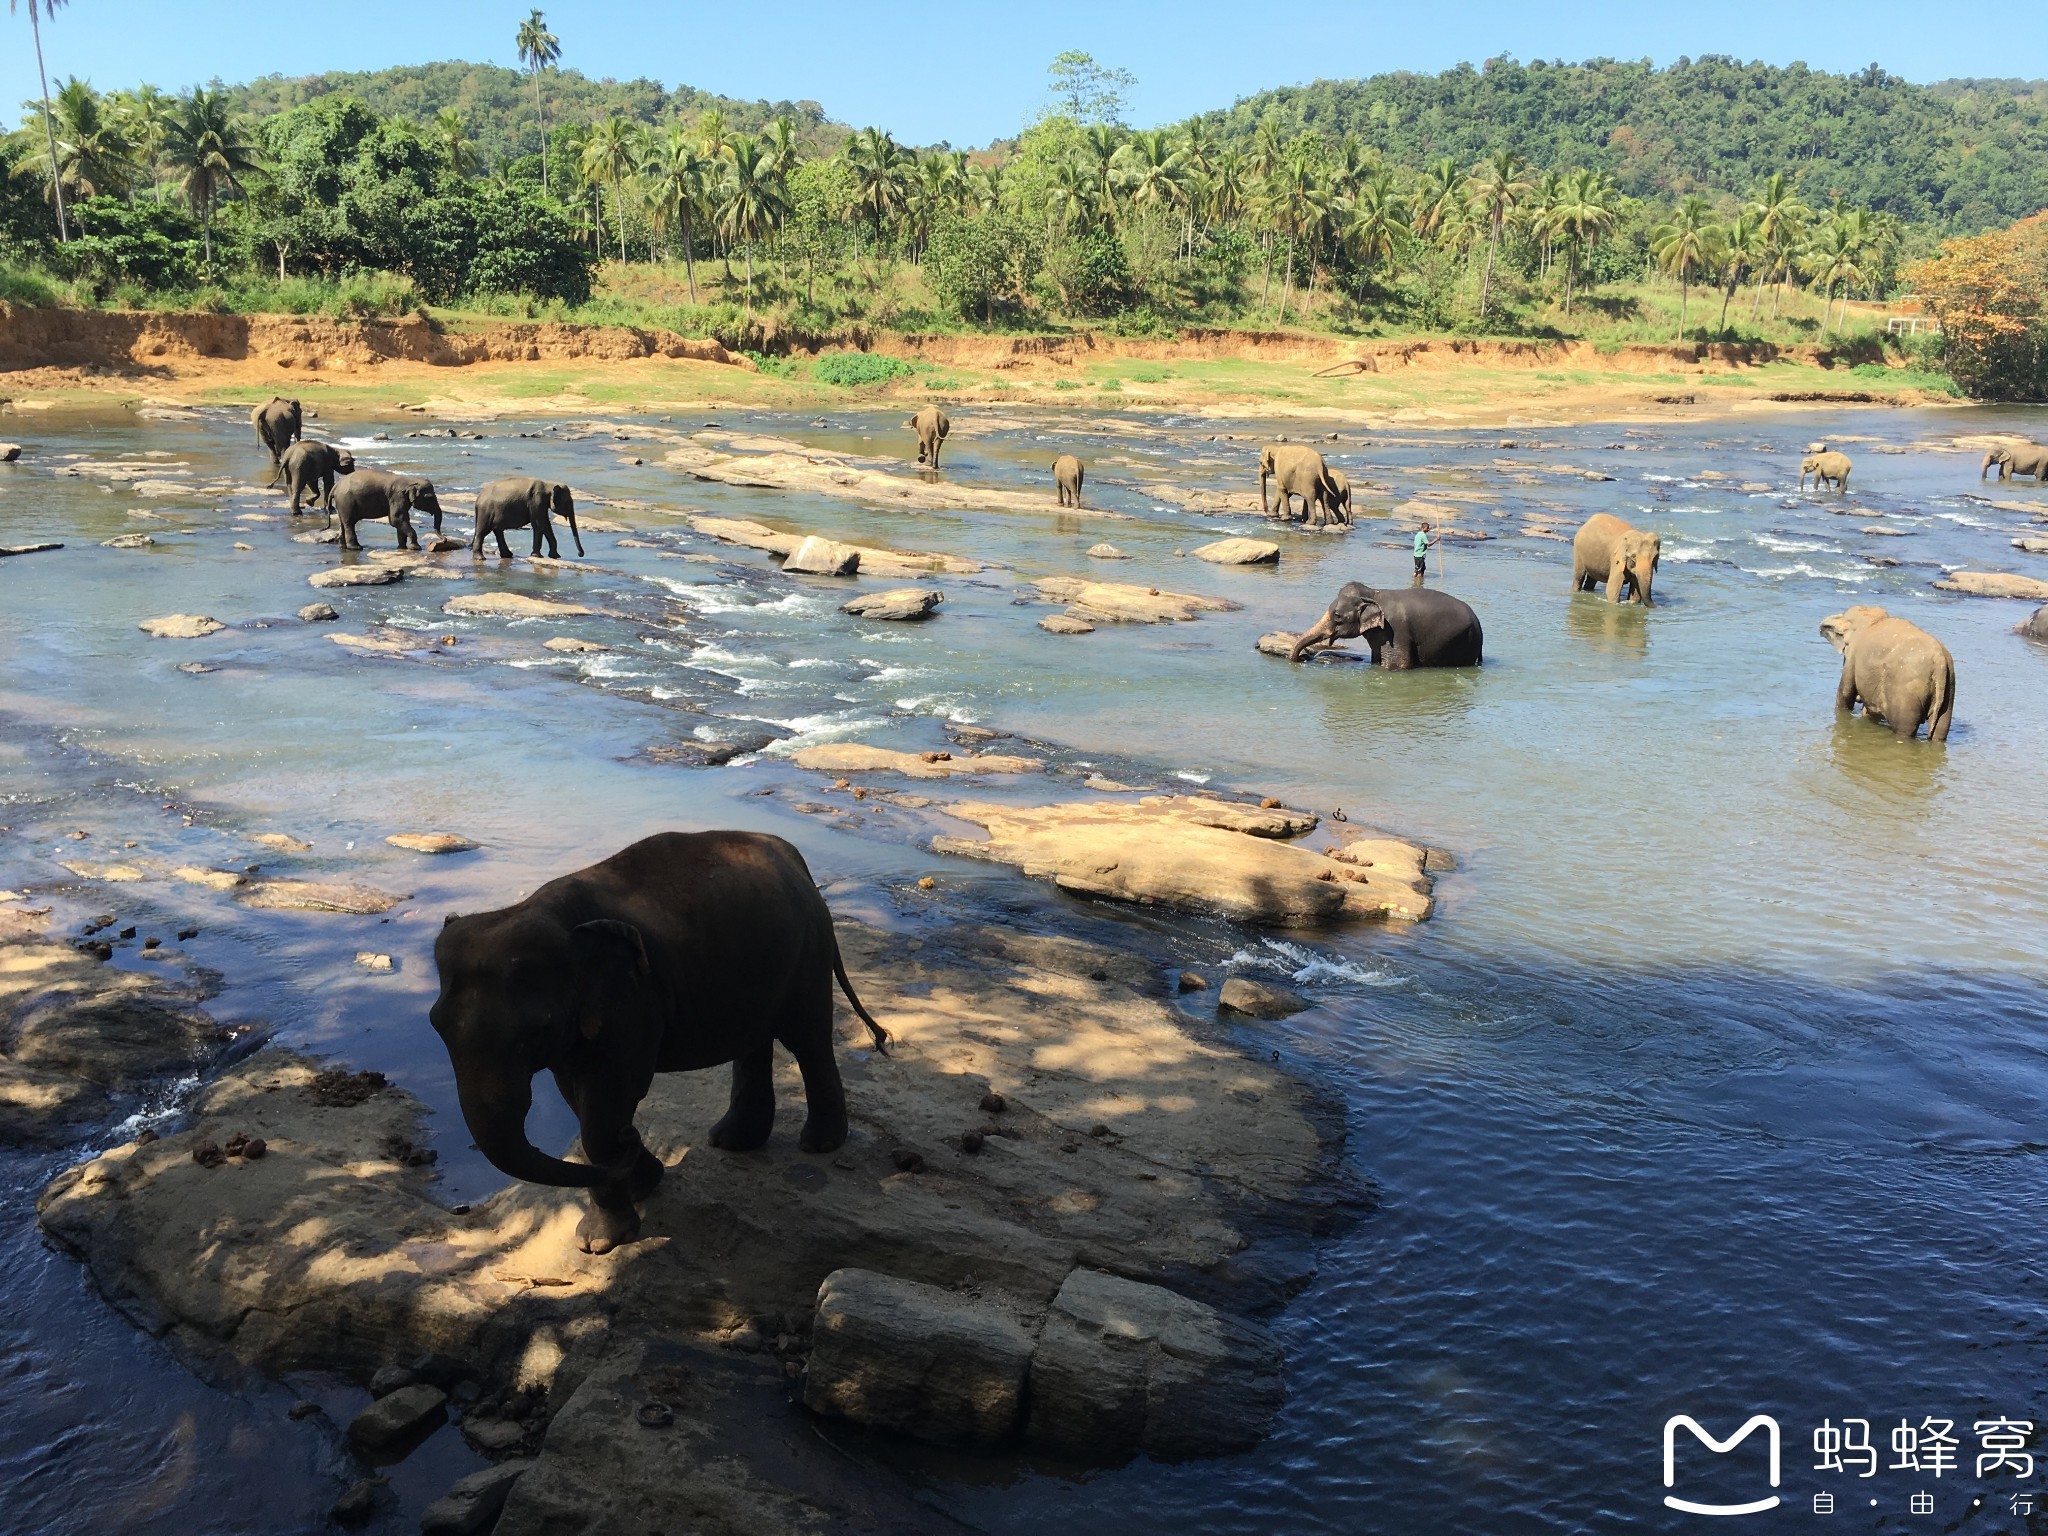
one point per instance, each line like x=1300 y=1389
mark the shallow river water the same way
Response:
x=1716 y=1087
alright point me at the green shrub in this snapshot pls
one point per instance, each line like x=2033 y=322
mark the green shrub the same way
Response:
x=30 y=286
x=771 y=367
x=1066 y=384
x=850 y=370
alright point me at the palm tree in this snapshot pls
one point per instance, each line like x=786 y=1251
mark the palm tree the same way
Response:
x=1376 y=223
x=1099 y=147
x=676 y=184
x=1781 y=221
x=455 y=141
x=1741 y=248
x=538 y=48
x=145 y=118
x=1684 y=245
x=93 y=155
x=878 y=165
x=205 y=146
x=609 y=155
x=1497 y=187
x=755 y=205
x=1069 y=196
x=1299 y=202
x=1438 y=199
x=1152 y=174
x=1836 y=256
x=779 y=145
x=50 y=8
x=1588 y=209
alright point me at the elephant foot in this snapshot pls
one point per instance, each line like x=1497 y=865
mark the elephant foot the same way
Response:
x=605 y=1228
x=646 y=1175
x=741 y=1131
x=817 y=1137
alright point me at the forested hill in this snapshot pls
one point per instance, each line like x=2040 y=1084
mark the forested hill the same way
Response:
x=1968 y=154
x=498 y=109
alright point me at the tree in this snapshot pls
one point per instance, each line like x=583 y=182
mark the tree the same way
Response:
x=453 y=134
x=754 y=206
x=1684 y=245
x=675 y=184
x=1781 y=225
x=538 y=48
x=1837 y=256
x=976 y=263
x=1439 y=200
x=1497 y=186
x=1990 y=295
x=94 y=156
x=1741 y=247
x=878 y=164
x=1376 y=224
x=609 y=155
x=206 y=148
x=1588 y=210
x=145 y=118
x=50 y=8
x=1089 y=92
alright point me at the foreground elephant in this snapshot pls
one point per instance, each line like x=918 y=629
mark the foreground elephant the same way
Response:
x=278 y=425
x=2017 y=459
x=1902 y=674
x=376 y=495
x=1300 y=471
x=931 y=426
x=521 y=502
x=309 y=468
x=1067 y=475
x=1405 y=626
x=684 y=951
x=1606 y=549
x=1826 y=468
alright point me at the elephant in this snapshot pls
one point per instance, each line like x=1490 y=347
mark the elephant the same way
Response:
x=683 y=951
x=2017 y=459
x=931 y=426
x=1301 y=472
x=1406 y=627
x=1902 y=674
x=376 y=495
x=1610 y=550
x=519 y=503
x=278 y=425
x=1826 y=468
x=311 y=467
x=1340 y=495
x=1067 y=475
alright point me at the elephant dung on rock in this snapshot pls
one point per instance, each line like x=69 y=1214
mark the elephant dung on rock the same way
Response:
x=1828 y=468
x=2029 y=459
x=1300 y=471
x=683 y=951
x=377 y=495
x=1067 y=476
x=1606 y=549
x=1900 y=673
x=1406 y=627
x=310 y=469
x=931 y=426
x=279 y=423
x=523 y=502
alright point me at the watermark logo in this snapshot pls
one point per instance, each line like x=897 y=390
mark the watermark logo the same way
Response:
x=1686 y=1421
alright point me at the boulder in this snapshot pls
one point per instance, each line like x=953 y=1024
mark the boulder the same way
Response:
x=1280 y=643
x=9 y=452
x=1112 y=602
x=2036 y=627
x=212 y=879
x=318 y=536
x=471 y=1505
x=128 y=541
x=571 y=646
x=431 y=842
x=511 y=605
x=875 y=562
x=853 y=757
x=1257 y=1000
x=492 y=1435
x=317 y=896
x=917 y=1359
x=318 y=613
x=181 y=626
x=899 y=604
x=1123 y=1367
x=282 y=840
x=1106 y=552
x=357 y=576
x=822 y=557
x=396 y=1421
x=1239 y=552
x=1065 y=624
x=2032 y=546
x=1994 y=584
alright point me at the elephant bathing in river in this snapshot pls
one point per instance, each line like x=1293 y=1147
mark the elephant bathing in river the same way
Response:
x=1067 y=475
x=1610 y=550
x=1300 y=471
x=1826 y=468
x=376 y=495
x=2017 y=459
x=687 y=950
x=521 y=503
x=931 y=426
x=278 y=425
x=1901 y=674
x=1405 y=626
x=309 y=469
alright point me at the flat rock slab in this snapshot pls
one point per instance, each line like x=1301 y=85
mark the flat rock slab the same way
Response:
x=2032 y=546
x=471 y=1506
x=900 y=604
x=1239 y=552
x=317 y=896
x=128 y=541
x=874 y=562
x=853 y=757
x=512 y=605
x=1994 y=584
x=357 y=576
x=791 y=466
x=398 y=1419
x=917 y=1359
x=1113 y=602
x=210 y=879
x=572 y=646
x=1065 y=624
x=181 y=626
x=1281 y=642
x=318 y=613
x=1106 y=552
x=1214 y=502
x=282 y=840
x=822 y=557
x=432 y=842
x=1259 y=1000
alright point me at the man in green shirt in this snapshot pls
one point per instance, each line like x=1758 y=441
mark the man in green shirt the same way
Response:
x=1423 y=542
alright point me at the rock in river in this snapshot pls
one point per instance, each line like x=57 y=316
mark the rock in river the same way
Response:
x=181 y=626
x=128 y=541
x=394 y=1420
x=901 y=603
x=1239 y=552
x=318 y=613
x=1258 y=1000
x=317 y=896
x=2036 y=627
x=822 y=557
x=1112 y=602
x=1065 y=624
x=431 y=842
x=1994 y=584
x=357 y=576
x=853 y=757
x=511 y=605
x=472 y=1504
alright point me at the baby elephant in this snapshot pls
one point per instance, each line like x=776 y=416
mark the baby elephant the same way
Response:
x=1827 y=469
x=931 y=426
x=376 y=495
x=310 y=469
x=1902 y=674
x=1610 y=550
x=1067 y=475
x=524 y=503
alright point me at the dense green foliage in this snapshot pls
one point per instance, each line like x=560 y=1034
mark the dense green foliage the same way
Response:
x=1990 y=293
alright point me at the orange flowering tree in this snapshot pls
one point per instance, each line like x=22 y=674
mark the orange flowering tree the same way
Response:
x=1990 y=293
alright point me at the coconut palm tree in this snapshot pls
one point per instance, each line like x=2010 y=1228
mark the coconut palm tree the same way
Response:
x=1496 y=188
x=879 y=167
x=205 y=146
x=610 y=154
x=1589 y=208
x=1375 y=224
x=1781 y=223
x=1741 y=248
x=1100 y=144
x=1152 y=173
x=1836 y=257
x=452 y=133
x=539 y=48
x=35 y=26
x=1298 y=203
x=755 y=204
x=1684 y=245
x=1069 y=196
x=94 y=156
x=675 y=177
x=779 y=145
x=1439 y=199
x=145 y=118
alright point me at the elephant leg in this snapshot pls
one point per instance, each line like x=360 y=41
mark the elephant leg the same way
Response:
x=546 y=531
x=1845 y=690
x=348 y=533
x=824 y=1095
x=751 y=1115
x=604 y=1115
x=504 y=549
x=407 y=539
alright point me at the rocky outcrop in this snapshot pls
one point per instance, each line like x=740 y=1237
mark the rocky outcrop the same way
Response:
x=181 y=626
x=511 y=605
x=822 y=557
x=780 y=464
x=317 y=896
x=901 y=604
x=1994 y=584
x=1258 y=999
x=1112 y=602
x=873 y=562
x=1065 y=624
x=318 y=613
x=854 y=757
x=1239 y=552
x=357 y=576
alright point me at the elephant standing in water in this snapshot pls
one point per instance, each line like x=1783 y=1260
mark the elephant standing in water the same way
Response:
x=1901 y=674
x=310 y=468
x=1406 y=627
x=1340 y=495
x=683 y=951
x=931 y=425
x=1300 y=471
x=278 y=425
x=1826 y=468
x=1067 y=475
x=1610 y=550
x=521 y=502
x=2029 y=459
x=376 y=495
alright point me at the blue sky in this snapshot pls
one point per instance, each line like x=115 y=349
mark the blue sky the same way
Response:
x=968 y=73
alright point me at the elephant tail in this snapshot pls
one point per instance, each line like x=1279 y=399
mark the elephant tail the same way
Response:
x=881 y=1035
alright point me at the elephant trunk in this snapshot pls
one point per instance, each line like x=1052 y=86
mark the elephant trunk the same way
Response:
x=569 y=516
x=495 y=1110
x=1316 y=632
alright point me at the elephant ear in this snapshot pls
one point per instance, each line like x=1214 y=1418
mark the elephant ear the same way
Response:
x=612 y=956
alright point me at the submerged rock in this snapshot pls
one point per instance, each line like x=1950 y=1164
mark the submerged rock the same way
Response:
x=393 y=1421
x=2036 y=626
x=1281 y=643
x=1065 y=624
x=511 y=605
x=902 y=603
x=181 y=626
x=432 y=842
x=128 y=541
x=873 y=562
x=1108 y=602
x=473 y=1503
x=1106 y=551
x=357 y=576
x=317 y=896
x=1259 y=1000
x=571 y=646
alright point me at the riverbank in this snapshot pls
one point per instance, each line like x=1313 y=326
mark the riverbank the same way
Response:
x=478 y=368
